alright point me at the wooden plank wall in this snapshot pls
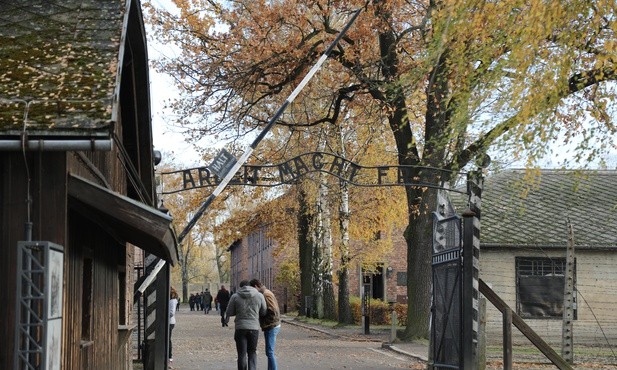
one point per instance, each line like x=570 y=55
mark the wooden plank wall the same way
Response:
x=9 y=232
x=103 y=350
x=99 y=350
x=48 y=214
x=50 y=220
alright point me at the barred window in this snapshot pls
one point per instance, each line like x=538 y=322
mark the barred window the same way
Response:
x=540 y=287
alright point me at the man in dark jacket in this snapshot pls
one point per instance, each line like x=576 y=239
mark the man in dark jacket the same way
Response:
x=270 y=323
x=207 y=301
x=247 y=304
x=222 y=299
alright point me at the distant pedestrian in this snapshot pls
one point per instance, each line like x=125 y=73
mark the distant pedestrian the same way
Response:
x=222 y=300
x=207 y=301
x=247 y=305
x=173 y=303
x=192 y=302
x=198 y=301
x=270 y=323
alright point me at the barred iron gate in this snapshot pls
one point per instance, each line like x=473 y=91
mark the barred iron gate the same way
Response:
x=153 y=317
x=447 y=315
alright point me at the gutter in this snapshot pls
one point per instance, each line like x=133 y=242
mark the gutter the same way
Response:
x=586 y=247
x=56 y=145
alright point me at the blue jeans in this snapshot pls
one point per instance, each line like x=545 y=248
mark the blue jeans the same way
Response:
x=171 y=328
x=270 y=339
x=246 y=345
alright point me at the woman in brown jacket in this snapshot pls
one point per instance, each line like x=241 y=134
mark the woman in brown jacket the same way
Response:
x=270 y=323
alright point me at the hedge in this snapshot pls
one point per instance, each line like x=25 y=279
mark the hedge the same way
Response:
x=380 y=312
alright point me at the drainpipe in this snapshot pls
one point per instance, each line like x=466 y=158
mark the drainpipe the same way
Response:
x=57 y=145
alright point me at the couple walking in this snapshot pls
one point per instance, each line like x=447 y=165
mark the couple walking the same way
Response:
x=254 y=307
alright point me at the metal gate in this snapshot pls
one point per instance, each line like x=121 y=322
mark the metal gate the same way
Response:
x=447 y=315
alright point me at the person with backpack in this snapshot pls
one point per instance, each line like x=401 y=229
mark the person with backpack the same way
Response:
x=270 y=323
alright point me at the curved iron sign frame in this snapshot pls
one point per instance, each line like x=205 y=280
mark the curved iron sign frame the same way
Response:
x=291 y=170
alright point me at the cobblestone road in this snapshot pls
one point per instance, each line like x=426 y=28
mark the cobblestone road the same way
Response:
x=199 y=342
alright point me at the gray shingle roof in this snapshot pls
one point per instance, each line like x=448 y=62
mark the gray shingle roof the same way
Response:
x=517 y=210
x=61 y=56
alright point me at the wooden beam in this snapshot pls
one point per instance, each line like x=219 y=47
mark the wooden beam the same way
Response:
x=521 y=325
x=130 y=220
x=507 y=339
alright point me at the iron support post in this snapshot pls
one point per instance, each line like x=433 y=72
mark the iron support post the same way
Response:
x=468 y=318
x=471 y=270
x=366 y=308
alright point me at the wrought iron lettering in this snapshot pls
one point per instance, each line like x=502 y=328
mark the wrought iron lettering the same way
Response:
x=289 y=171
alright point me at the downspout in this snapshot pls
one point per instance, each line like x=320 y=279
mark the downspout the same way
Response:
x=56 y=145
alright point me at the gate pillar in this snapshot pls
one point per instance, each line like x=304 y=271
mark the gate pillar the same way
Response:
x=471 y=266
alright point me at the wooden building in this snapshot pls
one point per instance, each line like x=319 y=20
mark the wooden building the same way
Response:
x=77 y=174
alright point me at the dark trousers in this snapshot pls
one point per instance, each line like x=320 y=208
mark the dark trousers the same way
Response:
x=171 y=328
x=246 y=345
x=223 y=315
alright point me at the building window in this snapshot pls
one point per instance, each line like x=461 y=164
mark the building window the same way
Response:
x=540 y=287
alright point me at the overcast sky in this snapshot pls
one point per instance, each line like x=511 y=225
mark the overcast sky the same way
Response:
x=167 y=137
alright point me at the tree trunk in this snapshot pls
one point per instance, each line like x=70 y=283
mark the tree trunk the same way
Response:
x=185 y=290
x=419 y=274
x=222 y=272
x=420 y=202
x=344 y=308
x=317 y=309
x=319 y=257
x=326 y=241
x=185 y=284
x=305 y=245
x=184 y=257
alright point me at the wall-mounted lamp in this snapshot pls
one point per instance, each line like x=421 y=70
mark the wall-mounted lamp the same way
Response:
x=157 y=156
x=483 y=161
x=389 y=271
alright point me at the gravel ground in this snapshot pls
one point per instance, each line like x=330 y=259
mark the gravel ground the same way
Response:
x=201 y=343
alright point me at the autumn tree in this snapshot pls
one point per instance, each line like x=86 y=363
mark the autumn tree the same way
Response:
x=325 y=204
x=449 y=78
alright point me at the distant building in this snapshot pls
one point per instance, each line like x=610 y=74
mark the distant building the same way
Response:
x=252 y=257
